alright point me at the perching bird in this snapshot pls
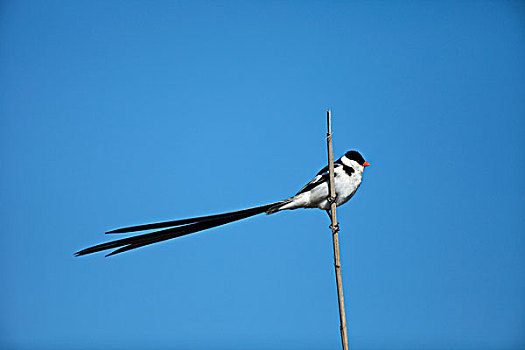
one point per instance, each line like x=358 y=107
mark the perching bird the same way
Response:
x=348 y=171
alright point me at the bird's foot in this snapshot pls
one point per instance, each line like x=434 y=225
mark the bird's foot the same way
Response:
x=331 y=199
x=334 y=228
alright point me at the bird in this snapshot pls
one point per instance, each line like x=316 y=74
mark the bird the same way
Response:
x=348 y=172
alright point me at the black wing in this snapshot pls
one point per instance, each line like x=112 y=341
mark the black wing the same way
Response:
x=321 y=177
x=324 y=176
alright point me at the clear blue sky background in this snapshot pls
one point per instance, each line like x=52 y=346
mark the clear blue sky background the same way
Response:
x=121 y=113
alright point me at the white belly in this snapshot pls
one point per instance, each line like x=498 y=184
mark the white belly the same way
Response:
x=345 y=188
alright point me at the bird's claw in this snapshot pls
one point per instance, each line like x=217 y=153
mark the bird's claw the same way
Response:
x=331 y=200
x=334 y=228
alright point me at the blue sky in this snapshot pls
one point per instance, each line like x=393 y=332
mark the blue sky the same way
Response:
x=121 y=113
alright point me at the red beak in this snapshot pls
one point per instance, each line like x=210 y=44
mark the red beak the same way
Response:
x=365 y=164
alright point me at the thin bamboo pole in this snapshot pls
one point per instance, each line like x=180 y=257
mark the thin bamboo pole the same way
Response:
x=335 y=236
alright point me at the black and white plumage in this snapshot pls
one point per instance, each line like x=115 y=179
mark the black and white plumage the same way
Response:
x=348 y=171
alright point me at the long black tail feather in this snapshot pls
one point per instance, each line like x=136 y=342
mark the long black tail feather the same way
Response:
x=181 y=222
x=184 y=227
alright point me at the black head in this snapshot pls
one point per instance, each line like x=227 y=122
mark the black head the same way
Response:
x=357 y=157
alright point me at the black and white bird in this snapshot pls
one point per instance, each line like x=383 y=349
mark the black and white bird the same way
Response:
x=348 y=171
